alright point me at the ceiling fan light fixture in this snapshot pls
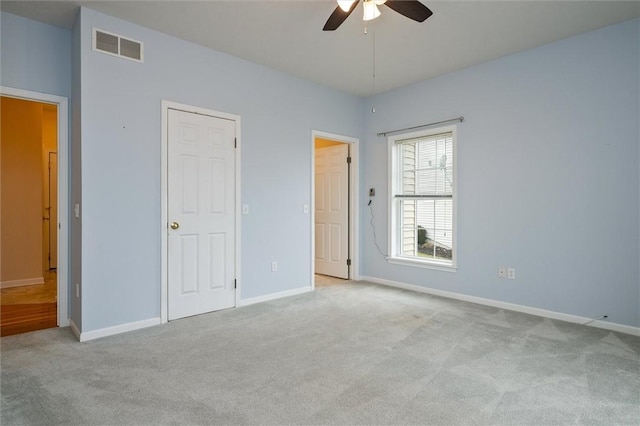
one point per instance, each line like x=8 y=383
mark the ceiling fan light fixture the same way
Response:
x=412 y=9
x=345 y=5
x=370 y=10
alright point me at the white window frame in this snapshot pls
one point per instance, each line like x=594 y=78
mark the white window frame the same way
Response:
x=394 y=181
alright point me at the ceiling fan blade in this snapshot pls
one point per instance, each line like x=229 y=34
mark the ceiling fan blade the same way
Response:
x=412 y=9
x=338 y=17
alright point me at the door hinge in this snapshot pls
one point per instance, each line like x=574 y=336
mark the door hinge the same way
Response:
x=235 y=283
x=348 y=160
x=348 y=262
x=235 y=142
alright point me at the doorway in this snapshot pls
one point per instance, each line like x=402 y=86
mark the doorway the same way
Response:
x=335 y=206
x=32 y=298
x=50 y=202
x=200 y=240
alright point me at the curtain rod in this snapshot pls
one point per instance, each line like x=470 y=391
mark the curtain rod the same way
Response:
x=460 y=119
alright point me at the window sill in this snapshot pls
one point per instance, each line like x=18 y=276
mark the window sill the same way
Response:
x=421 y=264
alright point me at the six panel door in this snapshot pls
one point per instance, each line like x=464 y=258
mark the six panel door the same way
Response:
x=332 y=211
x=201 y=214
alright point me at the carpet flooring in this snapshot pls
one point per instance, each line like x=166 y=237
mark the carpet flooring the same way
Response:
x=351 y=353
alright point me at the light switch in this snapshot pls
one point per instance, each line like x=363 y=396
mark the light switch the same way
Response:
x=305 y=208
x=245 y=209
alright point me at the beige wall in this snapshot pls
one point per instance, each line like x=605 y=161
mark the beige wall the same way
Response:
x=49 y=127
x=21 y=191
x=323 y=143
x=49 y=145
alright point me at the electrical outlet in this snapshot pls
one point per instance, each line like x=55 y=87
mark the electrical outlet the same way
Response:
x=511 y=273
x=502 y=272
x=372 y=192
x=274 y=266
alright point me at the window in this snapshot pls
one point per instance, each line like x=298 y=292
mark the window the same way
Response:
x=422 y=188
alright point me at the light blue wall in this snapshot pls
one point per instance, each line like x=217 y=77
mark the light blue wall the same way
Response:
x=548 y=160
x=548 y=165
x=35 y=56
x=121 y=136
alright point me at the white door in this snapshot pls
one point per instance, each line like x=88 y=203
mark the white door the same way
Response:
x=201 y=214
x=332 y=211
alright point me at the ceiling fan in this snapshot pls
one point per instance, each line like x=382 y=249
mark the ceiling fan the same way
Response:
x=412 y=9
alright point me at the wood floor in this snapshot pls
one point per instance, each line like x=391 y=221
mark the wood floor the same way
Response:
x=29 y=308
x=326 y=281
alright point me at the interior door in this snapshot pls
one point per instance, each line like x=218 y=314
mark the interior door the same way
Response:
x=332 y=211
x=201 y=214
x=53 y=210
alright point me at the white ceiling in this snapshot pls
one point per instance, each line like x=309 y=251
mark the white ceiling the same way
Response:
x=288 y=36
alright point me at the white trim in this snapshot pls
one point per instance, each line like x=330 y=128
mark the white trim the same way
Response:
x=424 y=264
x=164 y=280
x=238 y=218
x=63 y=192
x=118 y=329
x=22 y=283
x=392 y=237
x=274 y=296
x=354 y=197
x=165 y=106
x=621 y=328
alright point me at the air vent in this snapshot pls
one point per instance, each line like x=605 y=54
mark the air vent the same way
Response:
x=113 y=44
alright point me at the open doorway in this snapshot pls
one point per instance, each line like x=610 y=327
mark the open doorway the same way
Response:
x=335 y=207
x=29 y=211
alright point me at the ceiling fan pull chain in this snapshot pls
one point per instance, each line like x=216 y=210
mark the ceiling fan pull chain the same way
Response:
x=373 y=83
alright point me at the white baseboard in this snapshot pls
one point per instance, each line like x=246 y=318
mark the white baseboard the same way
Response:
x=110 y=331
x=621 y=328
x=63 y=322
x=274 y=296
x=22 y=283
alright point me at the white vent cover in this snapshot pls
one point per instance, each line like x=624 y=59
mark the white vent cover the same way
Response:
x=113 y=44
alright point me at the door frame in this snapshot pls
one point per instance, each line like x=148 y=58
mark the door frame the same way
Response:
x=164 y=248
x=46 y=236
x=354 y=201
x=62 y=270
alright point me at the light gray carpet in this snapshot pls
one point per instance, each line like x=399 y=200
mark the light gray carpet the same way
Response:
x=355 y=353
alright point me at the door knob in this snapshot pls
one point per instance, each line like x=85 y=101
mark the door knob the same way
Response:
x=174 y=225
